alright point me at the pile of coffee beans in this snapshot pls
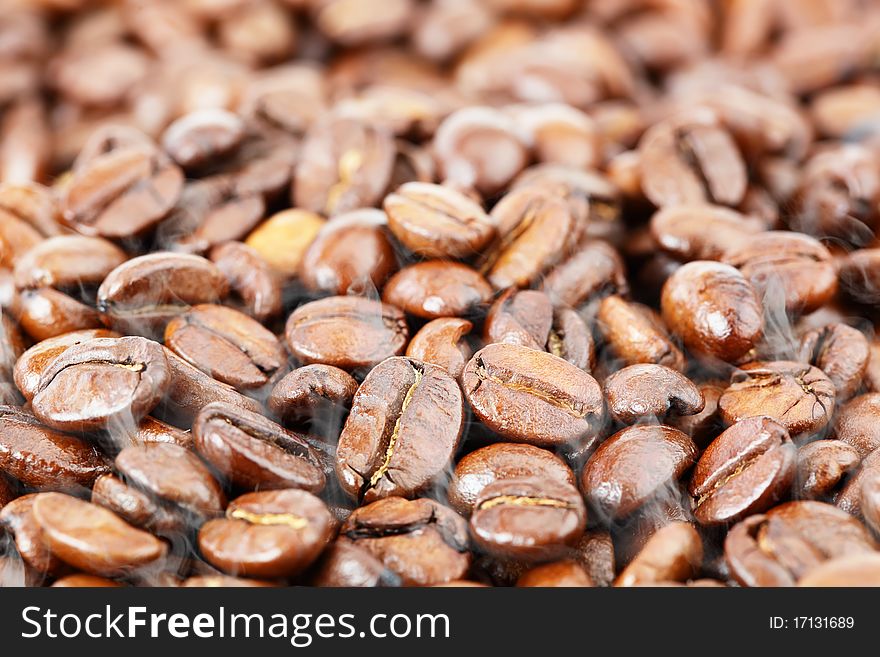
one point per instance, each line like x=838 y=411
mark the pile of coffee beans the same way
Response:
x=439 y=292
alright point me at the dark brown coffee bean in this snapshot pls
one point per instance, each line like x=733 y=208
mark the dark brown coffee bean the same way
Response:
x=18 y=518
x=841 y=352
x=199 y=137
x=822 y=466
x=47 y=313
x=43 y=458
x=797 y=395
x=556 y=574
x=778 y=548
x=527 y=519
x=859 y=278
x=227 y=345
x=313 y=391
x=673 y=554
x=7 y=491
x=421 y=541
x=858 y=423
x=701 y=232
x=436 y=221
x=437 y=288
x=646 y=391
x=522 y=317
x=636 y=334
x=442 y=342
x=845 y=571
x=68 y=262
x=344 y=165
x=102 y=383
x=571 y=339
x=347 y=332
x=633 y=466
x=795 y=266
x=713 y=309
x=346 y=564
x=92 y=538
x=502 y=461
x=146 y=292
x=151 y=430
x=174 y=474
x=745 y=470
x=137 y=507
x=251 y=279
x=267 y=534
x=253 y=452
x=532 y=396
x=405 y=423
x=595 y=269
x=595 y=552
x=702 y=427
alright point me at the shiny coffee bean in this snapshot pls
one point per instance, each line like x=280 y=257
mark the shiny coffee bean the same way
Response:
x=346 y=332
x=253 y=452
x=650 y=391
x=797 y=395
x=822 y=466
x=267 y=534
x=437 y=288
x=636 y=334
x=137 y=507
x=17 y=517
x=499 y=461
x=102 y=383
x=571 y=339
x=845 y=571
x=841 y=352
x=713 y=309
x=701 y=232
x=312 y=391
x=523 y=317
x=346 y=564
x=633 y=466
x=531 y=396
x=46 y=313
x=673 y=554
x=858 y=423
x=68 y=262
x=251 y=279
x=227 y=345
x=404 y=427
x=442 y=342
x=595 y=269
x=199 y=137
x=527 y=519
x=556 y=574
x=745 y=470
x=283 y=238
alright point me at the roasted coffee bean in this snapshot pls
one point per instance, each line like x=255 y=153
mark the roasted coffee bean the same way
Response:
x=93 y=539
x=253 y=452
x=646 y=391
x=251 y=279
x=872 y=373
x=859 y=278
x=848 y=571
x=796 y=267
x=223 y=581
x=797 y=395
x=522 y=317
x=821 y=467
x=853 y=492
x=633 y=466
x=85 y=581
x=571 y=339
x=870 y=500
x=437 y=288
x=18 y=518
x=404 y=427
x=312 y=391
x=102 y=383
x=673 y=554
x=227 y=345
x=68 y=262
x=199 y=137
x=142 y=295
x=745 y=470
x=7 y=491
x=636 y=334
x=46 y=313
x=344 y=164
x=43 y=458
x=346 y=564
x=151 y=430
x=283 y=238
x=841 y=352
x=556 y=574
x=267 y=534
x=531 y=396
x=346 y=332
x=528 y=519
x=421 y=541
x=701 y=232
x=713 y=309
x=781 y=546
x=137 y=507
x=173 y=474
x=595 y=552
x=702 y=427
x=595 y=269
x=500 y=461
x=442 y=342
x=436 y=221
x=857 y=423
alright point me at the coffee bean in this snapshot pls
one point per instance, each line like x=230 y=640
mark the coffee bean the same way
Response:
x=251 y=279
x=500 y=461
x=849 y=571
x=18 y=518
x=713 y=309
x=267 y=534
x=645 y=391
x=594 y=269
x=633 y=466
x=745 y=470
x=137 y=507
x=253 y=452
x=46 y=313
x=522 y=317
x=283 y=239
x=858 y=276
x=595 y=552
x=870 y=500
x=68 y=262
x=856 y=423
x=702 y=427
x=841 y=352
x=346 y=332
x=528 y=519
x=822 y=466
x=797 y=395
x=313 y=391
x=532 y=396
x=636 y=334
x=227 y=345
x=421 y=541
x=84 y=581
x=405 y=424
x=442 y=342
x=199 y=137
x=346 y=564
x=673 y=554
x=555 y=574
x=437 y=288
x=701 y=232
x=852 y=493
x=101 y=383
